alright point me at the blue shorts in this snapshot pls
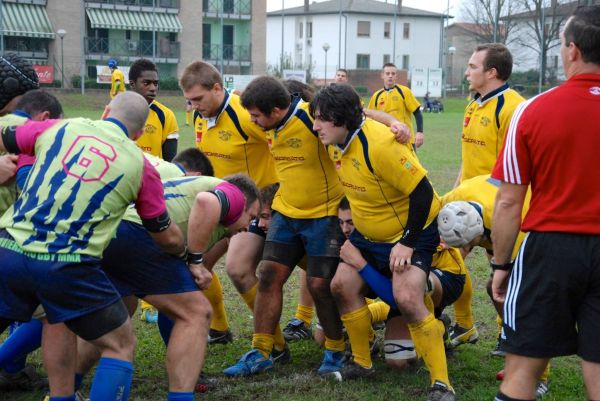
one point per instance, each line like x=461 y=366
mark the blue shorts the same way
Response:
x=289 y=240
x=378 y=253
x=67 y=285
x=452 y=287
x=137 y=266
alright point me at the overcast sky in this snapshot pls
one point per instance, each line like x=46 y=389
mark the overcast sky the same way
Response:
x=430 y=5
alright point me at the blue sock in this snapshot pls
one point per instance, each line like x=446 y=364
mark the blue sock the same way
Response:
x=78 y=380
x=25 y=339
x=68 y=398
x=165 y=326
x=112 y=380
x=180 y=396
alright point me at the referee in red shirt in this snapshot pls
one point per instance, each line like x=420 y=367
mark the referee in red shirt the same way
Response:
x=552 y=295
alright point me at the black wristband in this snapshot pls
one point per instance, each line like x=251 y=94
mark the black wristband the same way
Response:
x=195 y=258
x=504 y=266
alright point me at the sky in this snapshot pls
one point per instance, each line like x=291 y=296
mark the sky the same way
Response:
x=430 y=5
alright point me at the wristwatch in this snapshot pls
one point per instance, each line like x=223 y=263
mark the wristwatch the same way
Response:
x=504 y=266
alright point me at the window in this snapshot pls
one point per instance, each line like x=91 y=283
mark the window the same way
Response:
x=228 y=6
x=406 y=34
x=127 y=35
x=386 y=58
x=363 y=61
x=300 y=30
x=363 y=29
x=405 y=62
x=386 y=30
x=309 y=29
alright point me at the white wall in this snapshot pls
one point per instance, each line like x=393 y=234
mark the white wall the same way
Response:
x=422 y=46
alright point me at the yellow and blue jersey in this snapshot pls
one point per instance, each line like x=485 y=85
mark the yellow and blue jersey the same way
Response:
x=309 y=187
x=234 y=144
x=378 y=175
x=85 y=175
x=399 y=102
x=160 y=126
x=117 y=76
x=484 y=129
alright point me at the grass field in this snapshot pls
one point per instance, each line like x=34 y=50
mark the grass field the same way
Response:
x=472 y=371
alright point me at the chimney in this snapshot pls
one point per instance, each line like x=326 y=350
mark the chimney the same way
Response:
x=306 y=5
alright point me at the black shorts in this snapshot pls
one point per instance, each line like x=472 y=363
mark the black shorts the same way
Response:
x=452 y=287
x=552 y=305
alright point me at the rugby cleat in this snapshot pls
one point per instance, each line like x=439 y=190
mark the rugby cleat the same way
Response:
x=251 y=363
x=281 y=357
x=219 y=337
x=296 y=329
x=541 y=389
x=497 y=351
x=332 y=362
x=460 y=335
x=149 y=315
x=440 y=392
x=352 y=371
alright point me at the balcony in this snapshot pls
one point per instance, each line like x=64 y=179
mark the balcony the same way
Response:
x=100 y=48
x=36 y=2
x=232 y=54
x=230 y=9
x=169 y=6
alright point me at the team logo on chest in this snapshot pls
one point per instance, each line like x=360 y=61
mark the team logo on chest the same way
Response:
x=485 y=121
x=294 y=143
x=224 y=135
x=149 y=129
x=356 y=164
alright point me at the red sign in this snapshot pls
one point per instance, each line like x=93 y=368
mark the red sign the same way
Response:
x=45 y=73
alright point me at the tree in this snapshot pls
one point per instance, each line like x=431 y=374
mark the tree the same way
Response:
x=492 y=17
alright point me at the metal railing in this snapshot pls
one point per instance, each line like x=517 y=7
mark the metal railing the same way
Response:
x=37 y=2
x=139 y=3
x=231 y=7
x=230 y=52
x=132 y=48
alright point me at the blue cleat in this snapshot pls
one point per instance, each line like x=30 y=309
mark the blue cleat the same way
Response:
x=251 y=363
x=332 y=362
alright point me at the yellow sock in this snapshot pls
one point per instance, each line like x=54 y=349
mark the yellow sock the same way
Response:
x=145 y=305
x=335 y=345
x=499 y=324
x=463 y=311
x=214 y=293
x=545 y=374
x=305 y=313
x=249 y=297
x=263 y=343
x=427 y=336
x=429 y=303
x=358 y=326
x=379 y=311
x=188 y=117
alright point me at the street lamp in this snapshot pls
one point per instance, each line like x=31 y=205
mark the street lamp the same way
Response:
x=61 y=34
x=326 y=49
x=451 y=51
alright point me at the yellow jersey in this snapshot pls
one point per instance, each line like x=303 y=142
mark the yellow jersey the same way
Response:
x=309 y=187
x=234 y=144
x=484 y=128
x=449 y=260
x=482 y=190
x=378 y=175
x=160 y=126
x=399 y=102
x=117 y=76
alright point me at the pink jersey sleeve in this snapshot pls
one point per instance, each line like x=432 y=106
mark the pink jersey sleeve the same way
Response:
x=28 y=133
x=25 y=160
x=150 y=202
x=514 y=162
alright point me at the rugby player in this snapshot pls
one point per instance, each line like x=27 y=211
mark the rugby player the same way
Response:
x=117 y=78
x=394 y=206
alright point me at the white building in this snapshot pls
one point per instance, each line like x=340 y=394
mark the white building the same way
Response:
x=359 y=33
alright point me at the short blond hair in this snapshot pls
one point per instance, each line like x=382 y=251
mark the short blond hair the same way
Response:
x=199 y=73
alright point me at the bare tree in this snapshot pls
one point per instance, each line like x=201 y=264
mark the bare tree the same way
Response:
x=493 y=19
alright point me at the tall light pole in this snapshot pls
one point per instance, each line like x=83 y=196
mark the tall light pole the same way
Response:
x=61 y=34
x=326 y=49
x=451 y=51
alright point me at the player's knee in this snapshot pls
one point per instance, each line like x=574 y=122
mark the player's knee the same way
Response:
x=408 y=302
x=319 y=288
x=269 y=278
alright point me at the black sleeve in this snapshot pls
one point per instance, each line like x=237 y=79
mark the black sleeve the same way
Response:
x=169 y=149
x=418 y=210
x=419 y=118
x=157 y=224
x=9 y=138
